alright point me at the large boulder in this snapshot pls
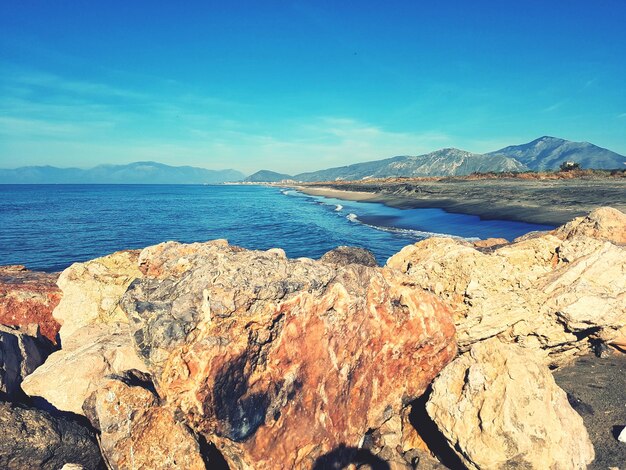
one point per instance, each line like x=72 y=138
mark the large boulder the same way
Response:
x=33 y=438
x=94 y=333
x=92 y=290
x=20 y=354
x=604 y=223
x=548 y=293
x=29 y=297
x=70 y=375
x=135 y=431
x=283 y=362
x=499 y=407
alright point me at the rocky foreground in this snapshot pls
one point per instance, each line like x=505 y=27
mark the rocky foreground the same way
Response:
x=208 y=355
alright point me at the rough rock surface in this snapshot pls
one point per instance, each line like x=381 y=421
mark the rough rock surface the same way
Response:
x=499 y=407
x=282 y=362
x=70 y=375
x=604 y=223
x=95 y=334
x=32 y=438
x=344 y=255
x=136 y=432
x=92 y=290
x=28 y=297
x=543 y=292
x=20 y=354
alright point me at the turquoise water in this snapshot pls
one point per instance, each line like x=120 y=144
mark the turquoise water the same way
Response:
x=48 y=227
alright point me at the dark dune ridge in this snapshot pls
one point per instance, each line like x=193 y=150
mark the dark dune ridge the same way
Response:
x=539 y=201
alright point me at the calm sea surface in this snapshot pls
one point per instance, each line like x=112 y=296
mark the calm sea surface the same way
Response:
x=48 y=227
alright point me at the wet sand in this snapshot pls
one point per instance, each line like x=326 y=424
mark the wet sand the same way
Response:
x=550 y=202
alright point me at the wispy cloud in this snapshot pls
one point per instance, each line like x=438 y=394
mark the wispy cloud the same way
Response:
x=11 y=126
x=78 y=87
x=555 y=106
x=56 y=120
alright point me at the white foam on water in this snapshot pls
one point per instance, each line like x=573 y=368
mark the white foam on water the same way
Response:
x=338 y=207
x=407 y=232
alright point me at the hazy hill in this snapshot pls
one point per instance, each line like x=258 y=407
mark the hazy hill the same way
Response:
x=547 y=153
x=267 y=176
x=133 y=173
x=445 y=162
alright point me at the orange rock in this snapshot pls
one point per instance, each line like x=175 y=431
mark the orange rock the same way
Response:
x=136 y=431
x=283 y=362
x=29 y=297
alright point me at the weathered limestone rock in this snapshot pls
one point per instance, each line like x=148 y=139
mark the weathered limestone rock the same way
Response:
x=28 y=297
x=499 y=407
x=604 y=223
x=95 y=334
x=543 y=292
x=92 y=290
x=70 y=375
x=136 y=432
x=344 y=255
x=32 y=438
x=280 y=362
x=20 y=355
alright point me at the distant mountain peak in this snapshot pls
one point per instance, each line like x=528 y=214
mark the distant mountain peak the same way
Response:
x=267 y=176
x=547 y=153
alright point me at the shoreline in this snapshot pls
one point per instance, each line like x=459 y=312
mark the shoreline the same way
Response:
x=546 y=203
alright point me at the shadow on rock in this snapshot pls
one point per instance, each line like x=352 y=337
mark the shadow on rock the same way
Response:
x=430 y=434
x=343 y=456
x=239 y=411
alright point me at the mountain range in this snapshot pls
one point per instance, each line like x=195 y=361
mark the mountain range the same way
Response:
x=445 y=162
x=133 y=173
x=545 y=153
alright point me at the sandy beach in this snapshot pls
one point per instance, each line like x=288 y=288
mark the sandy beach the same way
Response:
x=550 y=202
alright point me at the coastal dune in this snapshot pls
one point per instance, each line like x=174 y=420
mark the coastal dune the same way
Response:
x=208 y=355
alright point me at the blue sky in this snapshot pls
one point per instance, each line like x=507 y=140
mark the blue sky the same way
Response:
x=302 y=85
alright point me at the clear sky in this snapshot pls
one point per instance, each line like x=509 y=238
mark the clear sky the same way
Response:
x=303 y=85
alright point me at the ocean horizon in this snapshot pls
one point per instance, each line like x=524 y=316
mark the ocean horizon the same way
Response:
x=49 y=227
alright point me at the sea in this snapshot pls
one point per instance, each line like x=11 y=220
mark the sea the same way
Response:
x=49 y=227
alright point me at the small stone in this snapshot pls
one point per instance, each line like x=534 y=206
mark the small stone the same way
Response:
x=345 y=255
